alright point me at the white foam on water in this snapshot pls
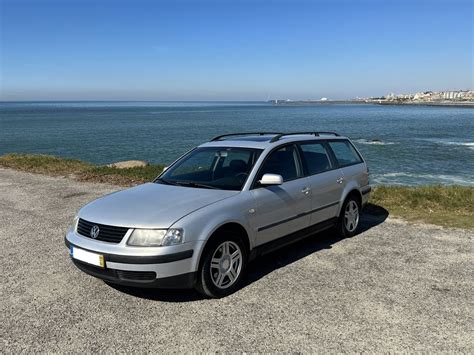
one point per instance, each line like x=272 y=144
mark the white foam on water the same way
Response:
x=397 y=174
x=469 y=145
x=391 y=178
x=373 y=142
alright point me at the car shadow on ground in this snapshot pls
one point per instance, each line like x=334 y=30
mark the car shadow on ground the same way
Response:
x=373 y=215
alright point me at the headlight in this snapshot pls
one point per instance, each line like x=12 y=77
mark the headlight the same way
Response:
x=155 y=237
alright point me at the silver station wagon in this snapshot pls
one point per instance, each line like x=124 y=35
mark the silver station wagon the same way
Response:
x=218 y=207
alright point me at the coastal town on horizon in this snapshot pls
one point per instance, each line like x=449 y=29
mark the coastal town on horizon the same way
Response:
x=435 y=98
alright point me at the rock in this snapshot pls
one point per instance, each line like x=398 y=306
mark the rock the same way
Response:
x=128 y=164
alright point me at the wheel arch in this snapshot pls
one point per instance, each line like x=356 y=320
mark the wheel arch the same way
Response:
x=351 y=191
x=231 y=226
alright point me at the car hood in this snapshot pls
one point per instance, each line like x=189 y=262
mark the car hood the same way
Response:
x=150 y=205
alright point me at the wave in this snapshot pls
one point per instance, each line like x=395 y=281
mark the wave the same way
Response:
x=400 y=178
x=373 y=142
x=469 y=145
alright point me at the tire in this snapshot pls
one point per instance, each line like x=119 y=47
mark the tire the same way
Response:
x=223 y=265
x=349 y=218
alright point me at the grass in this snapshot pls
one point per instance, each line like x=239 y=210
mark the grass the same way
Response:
x=79 y=170
x=124 y=177
x=449 y=206
x=44 y=164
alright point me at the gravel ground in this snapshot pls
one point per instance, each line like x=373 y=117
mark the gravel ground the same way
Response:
x=394 y=287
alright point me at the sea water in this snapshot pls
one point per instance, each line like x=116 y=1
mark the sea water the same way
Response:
x=402 y=144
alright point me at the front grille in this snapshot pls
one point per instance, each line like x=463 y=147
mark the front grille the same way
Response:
x=109 y=234
x=112 y=274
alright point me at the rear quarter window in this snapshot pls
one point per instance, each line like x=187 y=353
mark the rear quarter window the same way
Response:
x=345 y=153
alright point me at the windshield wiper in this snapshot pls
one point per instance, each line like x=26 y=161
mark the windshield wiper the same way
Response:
x=195 y=184
x=185 y=183
x=167 y=182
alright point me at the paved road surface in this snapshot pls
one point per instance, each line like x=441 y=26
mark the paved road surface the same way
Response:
x=394 y=287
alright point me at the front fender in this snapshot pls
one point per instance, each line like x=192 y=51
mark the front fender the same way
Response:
x=201 y=224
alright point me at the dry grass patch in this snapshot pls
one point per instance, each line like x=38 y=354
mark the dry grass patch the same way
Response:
x=79 y=170
x=44 y=164
x=124 y=177
x=451 y=206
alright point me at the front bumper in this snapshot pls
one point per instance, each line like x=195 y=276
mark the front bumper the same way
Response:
x=175 y=269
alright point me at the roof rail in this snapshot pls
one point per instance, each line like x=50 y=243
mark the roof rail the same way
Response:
x=218 y=138
x=280 y=135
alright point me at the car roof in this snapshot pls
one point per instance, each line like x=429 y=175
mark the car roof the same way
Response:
x=264 y=141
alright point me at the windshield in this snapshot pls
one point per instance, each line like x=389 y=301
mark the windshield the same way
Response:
x=213 y=168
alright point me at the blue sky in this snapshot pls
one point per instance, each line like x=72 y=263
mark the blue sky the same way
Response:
x=232 y=50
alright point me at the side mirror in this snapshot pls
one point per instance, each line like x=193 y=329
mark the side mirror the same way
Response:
x=271 y=179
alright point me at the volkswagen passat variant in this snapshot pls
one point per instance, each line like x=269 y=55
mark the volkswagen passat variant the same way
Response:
x=219 y=206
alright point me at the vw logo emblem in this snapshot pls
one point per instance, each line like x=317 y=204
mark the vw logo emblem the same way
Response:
x=95 y=232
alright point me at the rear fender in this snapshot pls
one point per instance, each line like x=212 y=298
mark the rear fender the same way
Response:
x=350 y=187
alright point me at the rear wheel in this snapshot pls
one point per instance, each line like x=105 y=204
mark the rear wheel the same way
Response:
x=224 y=262
x=349 y=218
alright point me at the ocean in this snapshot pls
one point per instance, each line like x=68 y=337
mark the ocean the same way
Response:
x=403 y=145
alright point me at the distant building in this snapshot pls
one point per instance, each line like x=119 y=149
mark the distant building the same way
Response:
x=429 y=96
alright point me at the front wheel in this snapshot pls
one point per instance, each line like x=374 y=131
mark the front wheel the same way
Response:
x=223 y=265
x=349 y=218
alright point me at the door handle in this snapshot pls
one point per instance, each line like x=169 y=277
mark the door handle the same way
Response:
x=340 y=180
x=306 y=190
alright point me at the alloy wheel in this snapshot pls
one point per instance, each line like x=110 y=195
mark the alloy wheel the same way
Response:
x=351 y=216
x=226 y=264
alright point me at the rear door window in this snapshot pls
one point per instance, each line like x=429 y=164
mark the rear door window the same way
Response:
x=345 y=153
x=315 y=157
